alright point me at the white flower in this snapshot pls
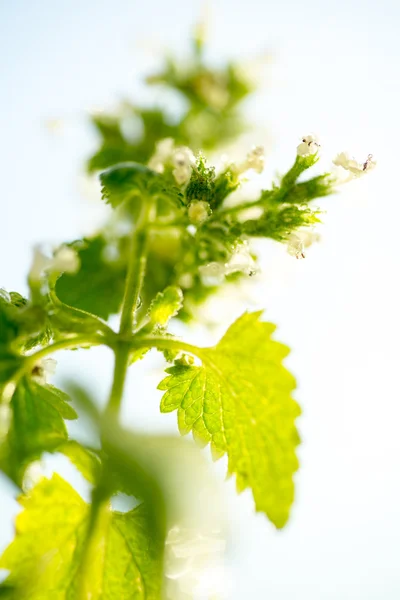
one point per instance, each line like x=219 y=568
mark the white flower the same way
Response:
x=42 y=369
x=183 y=160
x=198 y=212
x=295 y=246
x=239 y=261
x=254 y=160
x=214 y=270
x=162 y=155
x=303 y=238
x=65 y=260
x=355 y=168
x=309 y=145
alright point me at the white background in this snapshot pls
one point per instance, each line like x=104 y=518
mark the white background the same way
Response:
x=334 y=70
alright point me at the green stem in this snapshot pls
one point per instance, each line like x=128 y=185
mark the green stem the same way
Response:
x=65 y=344
x=137 y=268
x=121 y=364
x=163 y=344
x=133 y=287
x=230 y=210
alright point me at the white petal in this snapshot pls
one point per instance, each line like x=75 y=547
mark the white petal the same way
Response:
x=66 y=260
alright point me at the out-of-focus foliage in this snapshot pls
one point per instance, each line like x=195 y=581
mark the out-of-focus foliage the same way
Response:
x=67 y=549
x=212 y=116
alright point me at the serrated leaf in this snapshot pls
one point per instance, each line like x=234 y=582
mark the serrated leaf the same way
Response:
x=61 y=553
x=240 y=402
x=37 y=414
x=166 y=305
x=98 y=286
x=127 y=181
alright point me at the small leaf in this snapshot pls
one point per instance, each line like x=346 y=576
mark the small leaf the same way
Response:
x=62 y=552
x=166 y=305
x=127 y=181
x=240 y=402
x=37 y=414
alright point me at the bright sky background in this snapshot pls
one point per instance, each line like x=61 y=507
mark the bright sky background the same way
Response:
x=335 y=71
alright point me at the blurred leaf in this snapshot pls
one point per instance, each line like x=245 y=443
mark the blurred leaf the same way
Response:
x=115 y=148
x=240 y=402
x=66 y=550
x=37 y=414
x=86 y=461
x=22 y=325
x=98 y=286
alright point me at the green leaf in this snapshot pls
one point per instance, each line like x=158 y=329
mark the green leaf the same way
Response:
x=116 y=149
x=36 y=426
x=127 y=181
x=22 y=324
x=9 y=364
x=279 y=221
x=165 y=305
x=63 y=550
x=98 y=286
x=240 y=402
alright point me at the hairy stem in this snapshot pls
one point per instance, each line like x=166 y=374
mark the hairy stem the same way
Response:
x=133 y=287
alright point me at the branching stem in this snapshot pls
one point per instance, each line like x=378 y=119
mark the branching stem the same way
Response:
x=131 y=302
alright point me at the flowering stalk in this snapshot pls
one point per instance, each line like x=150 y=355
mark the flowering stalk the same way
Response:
x=176 y=237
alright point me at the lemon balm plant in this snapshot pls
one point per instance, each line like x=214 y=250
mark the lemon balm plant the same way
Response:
x=177 y=235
